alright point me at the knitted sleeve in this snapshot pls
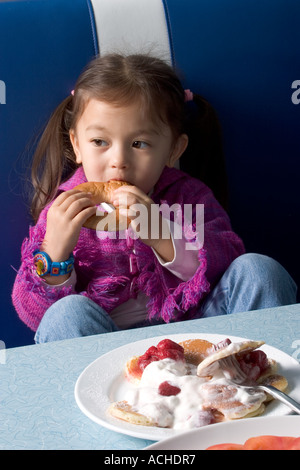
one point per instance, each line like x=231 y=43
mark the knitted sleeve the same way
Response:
x=31 y=295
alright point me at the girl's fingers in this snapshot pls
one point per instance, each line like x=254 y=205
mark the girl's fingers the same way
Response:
x=63 y=196
x=82 y=216
x=130 y=213
x=129 y=195
x=71 y=212
x=67 y=197
x=69 y=204
x=77 y=205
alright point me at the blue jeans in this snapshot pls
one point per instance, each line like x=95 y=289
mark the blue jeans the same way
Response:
x=251 y=282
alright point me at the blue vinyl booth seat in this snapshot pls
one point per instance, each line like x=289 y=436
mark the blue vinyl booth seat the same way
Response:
x=243 y=57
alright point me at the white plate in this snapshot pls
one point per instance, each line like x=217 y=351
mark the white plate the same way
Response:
x=235 y=432
x=103 y=382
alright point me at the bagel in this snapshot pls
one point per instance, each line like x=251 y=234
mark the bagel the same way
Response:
x=103 y=193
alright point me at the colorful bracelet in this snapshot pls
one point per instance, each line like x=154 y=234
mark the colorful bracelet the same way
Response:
x=44 y=265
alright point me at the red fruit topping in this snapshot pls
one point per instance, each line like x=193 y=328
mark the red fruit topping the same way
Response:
x=253 y=363
x=167 y=390
x=165 y=349
x=169 y=344
x=171 y=354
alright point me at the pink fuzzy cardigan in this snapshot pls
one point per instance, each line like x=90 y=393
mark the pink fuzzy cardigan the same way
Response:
x=103 y=268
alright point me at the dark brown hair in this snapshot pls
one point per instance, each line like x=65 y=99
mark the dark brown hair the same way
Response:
x=120 y=80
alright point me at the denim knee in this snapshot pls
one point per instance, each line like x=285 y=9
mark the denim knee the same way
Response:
x=264 y=271
x=251 y=282
x=73 y=316
x=262 y=265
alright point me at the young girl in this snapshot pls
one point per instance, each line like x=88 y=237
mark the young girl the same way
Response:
x=129 y=119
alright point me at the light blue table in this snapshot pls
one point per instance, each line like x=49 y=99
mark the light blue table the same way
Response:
x=37 y=405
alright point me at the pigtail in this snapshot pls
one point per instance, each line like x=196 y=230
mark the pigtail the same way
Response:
x=204 y=155
x=54 y=159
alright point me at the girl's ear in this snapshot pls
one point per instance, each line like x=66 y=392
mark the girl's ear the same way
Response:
x=74 y=142
x=177 y=150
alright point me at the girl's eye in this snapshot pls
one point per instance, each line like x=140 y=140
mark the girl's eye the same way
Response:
x=139 y=144
x=99 y=142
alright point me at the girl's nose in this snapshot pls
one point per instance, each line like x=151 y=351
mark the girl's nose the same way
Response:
x=119 y=159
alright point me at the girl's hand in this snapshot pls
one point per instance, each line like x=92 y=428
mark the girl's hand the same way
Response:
x=146 y=221
x=64 y=220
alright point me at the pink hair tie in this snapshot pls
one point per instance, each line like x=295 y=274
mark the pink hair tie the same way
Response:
x=72 y=92
x=188 y=95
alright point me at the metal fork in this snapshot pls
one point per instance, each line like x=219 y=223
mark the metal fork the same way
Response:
x=232 y=370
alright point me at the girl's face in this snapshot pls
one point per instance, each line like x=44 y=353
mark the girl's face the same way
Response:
x=122 y=143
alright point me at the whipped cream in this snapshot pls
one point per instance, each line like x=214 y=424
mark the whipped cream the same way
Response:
x=193 y=406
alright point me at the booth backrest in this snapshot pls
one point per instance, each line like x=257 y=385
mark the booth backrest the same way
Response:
x=242 y=56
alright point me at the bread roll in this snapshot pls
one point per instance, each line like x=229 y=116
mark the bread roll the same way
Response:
x=103 y=192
